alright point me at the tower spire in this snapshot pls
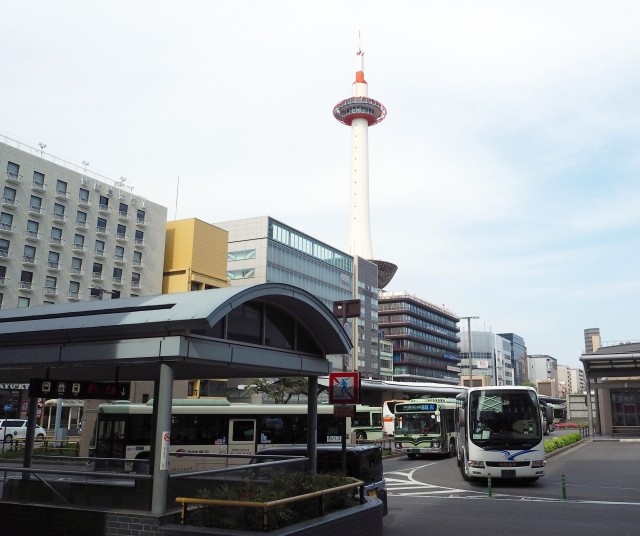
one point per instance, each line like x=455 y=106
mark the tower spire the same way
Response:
x=360 y=112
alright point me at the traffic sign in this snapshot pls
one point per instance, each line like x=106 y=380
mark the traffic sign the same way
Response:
x=80 y=390
x=344 y=387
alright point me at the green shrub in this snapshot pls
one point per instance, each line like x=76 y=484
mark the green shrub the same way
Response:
x=282 y=485
x=559 y=442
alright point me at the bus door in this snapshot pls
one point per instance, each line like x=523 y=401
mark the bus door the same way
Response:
x=242 y=438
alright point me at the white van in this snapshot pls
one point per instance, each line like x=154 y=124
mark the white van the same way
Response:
x=11 y=429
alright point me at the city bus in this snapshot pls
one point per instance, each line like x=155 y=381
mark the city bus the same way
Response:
x=500 y=433
x=366 y=425
x=209 y=426
x=425 y=426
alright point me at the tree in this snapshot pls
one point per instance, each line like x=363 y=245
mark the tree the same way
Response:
x=280 y=389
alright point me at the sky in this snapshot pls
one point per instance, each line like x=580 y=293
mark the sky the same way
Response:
x=503 y=181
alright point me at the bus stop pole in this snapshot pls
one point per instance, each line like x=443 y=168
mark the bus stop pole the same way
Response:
x=162 y=414
x=312 y=412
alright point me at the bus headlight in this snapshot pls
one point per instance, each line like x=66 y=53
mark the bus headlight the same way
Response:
x=436 y=444
x=538 y=463
x=398 y=445
x=476 y=463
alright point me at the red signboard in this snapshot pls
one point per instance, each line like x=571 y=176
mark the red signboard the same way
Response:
x=344 y=387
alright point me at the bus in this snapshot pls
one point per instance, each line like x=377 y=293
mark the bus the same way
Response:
x=366 y=425
x=209 y=426
x=500 y=433
x=425 y=426
x=388 y=417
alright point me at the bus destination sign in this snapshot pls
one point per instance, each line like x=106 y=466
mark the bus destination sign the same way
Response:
x=79 y=390
x=418 y=407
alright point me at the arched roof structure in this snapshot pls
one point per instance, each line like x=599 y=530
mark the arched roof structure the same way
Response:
x=263 y=330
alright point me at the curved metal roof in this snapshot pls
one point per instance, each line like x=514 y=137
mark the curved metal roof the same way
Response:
x=121 y=339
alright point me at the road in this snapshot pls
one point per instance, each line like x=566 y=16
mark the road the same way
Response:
x=428 y=496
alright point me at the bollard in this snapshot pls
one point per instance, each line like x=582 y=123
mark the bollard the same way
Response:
x=564 y=488
x=489 y=488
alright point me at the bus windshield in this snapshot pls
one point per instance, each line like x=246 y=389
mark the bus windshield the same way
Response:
x=496 y=416
x=418 y=423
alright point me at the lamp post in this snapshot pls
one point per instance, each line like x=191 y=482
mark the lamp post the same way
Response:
x=468 y=319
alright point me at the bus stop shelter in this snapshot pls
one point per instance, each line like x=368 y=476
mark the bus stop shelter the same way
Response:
x=264 y=330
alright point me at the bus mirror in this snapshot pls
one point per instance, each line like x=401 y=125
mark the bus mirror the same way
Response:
x=461 y=416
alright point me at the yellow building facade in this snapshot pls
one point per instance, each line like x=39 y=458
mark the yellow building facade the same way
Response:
x=195 y=256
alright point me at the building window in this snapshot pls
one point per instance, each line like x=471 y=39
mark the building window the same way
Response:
x=140 y=216
x=81 y=219
x=115 y=294
x=13 y=171
x=83 y=196
x=100 y=248
x=123 y=210
x=117 y=275
x=58 y=211
x=35 y=204
x=61 y=188
x=97 y=270
x=241 y=255
x=50 y=285
x=74 y=290
x=53 y=261
x=32 y=229
x=139 y=238
x=137 y=258
x=135 y=280
x=245 y=273
x=3 y=275
x=38 y=180
x=103 y=204
x=4 y=247
x=23 y=301
x=26 y=280
x=76 y=265
x=121 y=232
x=56 y=235
x=119 y=256
x=29 y=254
x=101 y=226
x=6 y=221
x=78 y=241
x=9 y=196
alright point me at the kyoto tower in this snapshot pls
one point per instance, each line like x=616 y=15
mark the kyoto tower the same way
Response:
x=360 y=112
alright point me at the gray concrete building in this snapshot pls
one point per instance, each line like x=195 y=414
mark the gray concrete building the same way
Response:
x=69 y=235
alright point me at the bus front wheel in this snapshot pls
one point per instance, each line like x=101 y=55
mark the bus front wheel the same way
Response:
x=463 y=462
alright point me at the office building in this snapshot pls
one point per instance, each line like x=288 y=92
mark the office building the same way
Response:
x=491 y=360
x=424 y=336
x=264 y=250
x=592 y=340
x=570 y=380
x=518 y=351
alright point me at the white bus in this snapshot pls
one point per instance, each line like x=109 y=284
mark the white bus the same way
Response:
x=210 y=426
x=425 y=426
x=500 y=433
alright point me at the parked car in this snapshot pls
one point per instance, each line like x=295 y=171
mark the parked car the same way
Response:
x=364 y=462
x=11 y=429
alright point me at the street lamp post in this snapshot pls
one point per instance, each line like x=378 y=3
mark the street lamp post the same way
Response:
x=468 y=319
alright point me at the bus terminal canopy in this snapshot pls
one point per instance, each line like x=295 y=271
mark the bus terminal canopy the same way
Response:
x=262 y=330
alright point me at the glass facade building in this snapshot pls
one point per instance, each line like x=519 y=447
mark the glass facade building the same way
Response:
x=425 y=338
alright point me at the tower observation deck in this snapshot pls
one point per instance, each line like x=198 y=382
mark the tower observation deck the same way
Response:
x=360 y=112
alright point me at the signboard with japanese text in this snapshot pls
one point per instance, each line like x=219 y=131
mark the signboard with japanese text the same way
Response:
x=79 y=390
x=344 y=387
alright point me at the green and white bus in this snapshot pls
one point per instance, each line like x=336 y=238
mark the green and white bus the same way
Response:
x=367 y=424
x=425 y=426
x=211 y=426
